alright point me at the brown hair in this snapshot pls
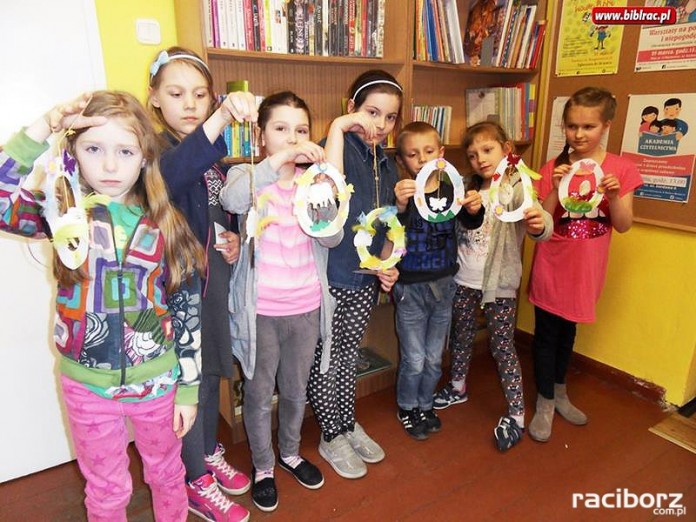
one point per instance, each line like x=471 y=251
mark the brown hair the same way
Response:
x=182 y=251
x=587 y=97
x=279 y=99
x=490 y=129
x=380 y=81
x=156 y=80
x=415 y=127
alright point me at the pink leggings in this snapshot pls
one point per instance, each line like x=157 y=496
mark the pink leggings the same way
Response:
x=100 y=437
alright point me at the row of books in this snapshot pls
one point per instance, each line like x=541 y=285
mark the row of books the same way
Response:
x=439 y=116
x=498 y=33
x=237 y=136
x=438 y=35
x=309 y=27
x=512 y=107
x=515 y=37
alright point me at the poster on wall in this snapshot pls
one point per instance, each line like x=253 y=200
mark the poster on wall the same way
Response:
x=660 y=137
x=557 y=139
x=585 y=48
x=669 y=47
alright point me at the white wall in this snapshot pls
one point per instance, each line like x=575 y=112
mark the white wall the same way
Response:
x=49 y=52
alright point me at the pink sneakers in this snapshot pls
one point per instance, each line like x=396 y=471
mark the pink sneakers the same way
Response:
x=208 y=502
x=229 y=479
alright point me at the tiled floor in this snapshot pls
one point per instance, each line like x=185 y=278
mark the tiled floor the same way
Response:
x=456 y=475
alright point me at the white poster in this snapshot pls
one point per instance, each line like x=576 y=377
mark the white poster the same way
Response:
x=669 y=47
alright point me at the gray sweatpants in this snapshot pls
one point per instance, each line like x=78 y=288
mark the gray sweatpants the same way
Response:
x=284 y=351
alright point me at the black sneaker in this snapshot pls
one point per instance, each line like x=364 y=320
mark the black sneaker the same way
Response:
x=264 y=493
x=448 y=396
x=414 y=423
x=432 y=421
x=305 y=472
x=507 y=433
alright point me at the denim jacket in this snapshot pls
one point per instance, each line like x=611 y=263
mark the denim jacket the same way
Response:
x=358 y=170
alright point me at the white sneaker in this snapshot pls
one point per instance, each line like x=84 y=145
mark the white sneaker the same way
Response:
x=366 y=448
x=342 y=458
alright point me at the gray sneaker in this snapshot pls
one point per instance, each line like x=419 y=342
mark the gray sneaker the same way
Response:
x=366 y=448
x=342 y=458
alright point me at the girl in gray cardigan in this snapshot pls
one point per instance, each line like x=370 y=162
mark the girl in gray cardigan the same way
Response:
x=490 y=269
x=280 y=305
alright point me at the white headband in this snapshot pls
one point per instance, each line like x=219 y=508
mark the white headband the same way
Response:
x=375 y=82
x=164 y=58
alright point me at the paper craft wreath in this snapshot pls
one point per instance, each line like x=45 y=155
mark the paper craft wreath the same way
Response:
x=69 y=228
x=365 y=231
x=586 y=198
x=439 y=213
x=501 y=194
x=310 y=195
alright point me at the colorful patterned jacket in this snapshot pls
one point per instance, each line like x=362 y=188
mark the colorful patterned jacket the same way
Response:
x=119 y=326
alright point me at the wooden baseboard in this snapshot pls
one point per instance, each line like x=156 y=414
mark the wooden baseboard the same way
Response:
x=646 y=390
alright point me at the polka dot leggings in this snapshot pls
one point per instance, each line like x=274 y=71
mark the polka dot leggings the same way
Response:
x=332 y=394
x=500 y=317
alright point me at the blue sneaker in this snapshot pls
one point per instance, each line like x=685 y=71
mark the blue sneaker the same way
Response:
x=507 y=433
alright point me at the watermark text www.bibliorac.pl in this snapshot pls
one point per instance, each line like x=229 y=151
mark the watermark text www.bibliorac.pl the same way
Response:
x=664 y=504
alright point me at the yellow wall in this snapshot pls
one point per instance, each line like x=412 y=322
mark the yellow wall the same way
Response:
x=646 y=317
x=127 y=61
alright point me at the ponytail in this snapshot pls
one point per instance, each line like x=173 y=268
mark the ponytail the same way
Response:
x=564 y=157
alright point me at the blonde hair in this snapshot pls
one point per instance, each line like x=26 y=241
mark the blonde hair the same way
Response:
x=156 y=79
x=182 y=252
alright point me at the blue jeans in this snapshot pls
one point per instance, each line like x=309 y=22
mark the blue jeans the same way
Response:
x=423 y=317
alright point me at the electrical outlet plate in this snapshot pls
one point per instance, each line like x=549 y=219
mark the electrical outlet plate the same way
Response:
x=147 y=31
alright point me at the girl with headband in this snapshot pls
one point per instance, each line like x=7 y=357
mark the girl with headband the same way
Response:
x=182 y=100
x=374 y=110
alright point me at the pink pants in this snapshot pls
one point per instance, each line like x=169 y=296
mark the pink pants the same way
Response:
x=100 y=437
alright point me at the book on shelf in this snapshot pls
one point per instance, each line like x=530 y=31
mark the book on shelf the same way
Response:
x=512 y=107
x=300 y=36
x=480 y=25
x=521 y=57
x=248 y=25
x=502 y=33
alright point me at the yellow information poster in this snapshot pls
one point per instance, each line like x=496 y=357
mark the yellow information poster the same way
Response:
x=585 y=48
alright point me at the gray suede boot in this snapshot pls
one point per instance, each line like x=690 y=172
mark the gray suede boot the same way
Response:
x=540 y=427
x=565 y=408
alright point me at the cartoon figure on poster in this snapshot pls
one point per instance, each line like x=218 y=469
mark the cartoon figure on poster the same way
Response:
x=649 y=121
x=661 y=137
x=597 y=32
x=602 y=33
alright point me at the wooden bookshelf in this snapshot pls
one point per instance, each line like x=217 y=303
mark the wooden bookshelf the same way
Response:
x=324 y=80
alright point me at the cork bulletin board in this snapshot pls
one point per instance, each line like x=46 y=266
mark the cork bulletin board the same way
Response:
x=680 y=216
